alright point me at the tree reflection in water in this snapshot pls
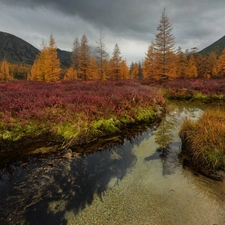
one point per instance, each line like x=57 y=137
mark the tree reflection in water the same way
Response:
x=166 y=135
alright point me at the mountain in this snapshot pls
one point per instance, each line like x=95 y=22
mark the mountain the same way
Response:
x=216 y=46
x=16 y=50
x=65 y=57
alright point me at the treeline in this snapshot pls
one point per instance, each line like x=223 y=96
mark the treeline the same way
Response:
x=162 y=62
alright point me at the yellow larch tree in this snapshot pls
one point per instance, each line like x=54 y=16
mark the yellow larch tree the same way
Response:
x=182 y=65
x=219 y=68
x=149 y=67
x=71 y=74
x=134 y=71
x=93 y=69
x=115 y=64
x=192 y=70
x=52 y=63
x=124 y=70
x=4 y=71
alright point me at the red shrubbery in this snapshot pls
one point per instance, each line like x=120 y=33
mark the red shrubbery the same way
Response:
x=188 y=88
x=37 y=107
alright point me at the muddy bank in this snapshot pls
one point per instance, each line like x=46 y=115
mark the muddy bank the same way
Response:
x=49 y=145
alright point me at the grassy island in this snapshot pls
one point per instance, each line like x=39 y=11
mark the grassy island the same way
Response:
x=203 y=143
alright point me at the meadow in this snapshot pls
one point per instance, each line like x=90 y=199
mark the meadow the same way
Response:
x=73 y=112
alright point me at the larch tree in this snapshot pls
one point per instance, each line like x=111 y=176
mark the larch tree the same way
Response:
x=84 y=58
x=124 y=71
x=192 y=70
x=182 y=65
x=52 y=63
x=219 y=68
x=75 y=54
x=101 y=55
x=164 y=44
x=71 y=74
x=39 y=65
x=92 y=70
x=115 y=63
x=149 y=67
x=4 y=71
x=134 y=71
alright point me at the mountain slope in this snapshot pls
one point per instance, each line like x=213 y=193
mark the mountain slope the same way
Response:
x=216 y=46
x=16 y=50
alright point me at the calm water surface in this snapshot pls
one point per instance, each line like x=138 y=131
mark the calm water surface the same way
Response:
x=141 y=182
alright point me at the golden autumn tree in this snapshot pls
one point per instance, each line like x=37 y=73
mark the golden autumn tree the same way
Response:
x=4 y=71
x=192 y=70
x=134 y=71
x=38 y=68
x=52 y=63
x=101 y=56
x=115 y=63
x=164 y=46
x=182 y=65
x=219 y=68
x=84 y=58
x=71 y=74
x=149 y=67
x=124 y=70
x=93 y=69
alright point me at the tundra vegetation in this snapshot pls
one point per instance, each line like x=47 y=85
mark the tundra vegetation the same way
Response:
x=99 y=95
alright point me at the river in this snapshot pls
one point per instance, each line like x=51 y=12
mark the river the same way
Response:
x=141 y=181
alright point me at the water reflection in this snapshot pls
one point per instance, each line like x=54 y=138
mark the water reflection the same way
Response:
x=169 y=145
x=40 y=191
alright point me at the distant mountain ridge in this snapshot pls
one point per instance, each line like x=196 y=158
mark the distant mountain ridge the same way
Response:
x=218 y=45
x=16 y=50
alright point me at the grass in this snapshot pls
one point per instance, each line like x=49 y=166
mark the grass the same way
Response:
x=204 y=141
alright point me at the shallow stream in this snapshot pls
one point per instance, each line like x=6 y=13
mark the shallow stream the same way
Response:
x=140 y=182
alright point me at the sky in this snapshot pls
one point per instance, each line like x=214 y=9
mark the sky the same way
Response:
x=132 y=24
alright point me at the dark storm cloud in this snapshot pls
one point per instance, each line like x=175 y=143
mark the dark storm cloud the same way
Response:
x=195 y=22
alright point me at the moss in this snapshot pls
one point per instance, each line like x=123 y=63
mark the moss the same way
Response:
x=201 y=96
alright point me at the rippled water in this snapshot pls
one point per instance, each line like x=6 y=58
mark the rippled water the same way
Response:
x=140 y=182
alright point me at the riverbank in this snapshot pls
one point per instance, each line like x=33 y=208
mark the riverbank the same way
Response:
x=205 y=90
x=73 y=113
x=203 y=144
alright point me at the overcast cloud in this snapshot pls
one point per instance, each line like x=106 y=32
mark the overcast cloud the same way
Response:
x=130 y=23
